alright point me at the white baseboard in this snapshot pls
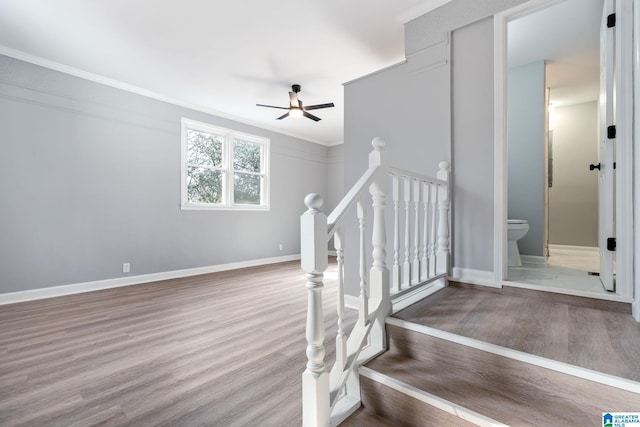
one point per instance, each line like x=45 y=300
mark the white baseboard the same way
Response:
x=474 y=277
x=351 y=301
x=76 y=288
x=533 y=259
x=574 y=248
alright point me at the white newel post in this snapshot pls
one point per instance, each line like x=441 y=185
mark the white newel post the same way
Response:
x=379 y=273
x=314 y=261
x=442 y=255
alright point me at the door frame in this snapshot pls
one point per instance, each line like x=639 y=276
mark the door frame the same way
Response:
x=624 y=208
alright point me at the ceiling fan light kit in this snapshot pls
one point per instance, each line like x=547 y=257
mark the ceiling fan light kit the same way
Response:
x=296 y=109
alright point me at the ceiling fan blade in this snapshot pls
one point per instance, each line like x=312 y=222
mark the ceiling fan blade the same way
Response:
x=272 y=106
x=283 y=116
x=293 y=99
x=311 y=116
x=317 y=107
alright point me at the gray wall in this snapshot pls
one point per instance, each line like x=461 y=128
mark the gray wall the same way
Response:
x=335 y=177
x=440 y=111
x=526 y=163
x=573 y=198
x=90 y=178
x=473 y=152
x=434 y=26
x=408 y=106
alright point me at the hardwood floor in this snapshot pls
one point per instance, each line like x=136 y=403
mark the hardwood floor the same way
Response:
x=228 y=349
x=593 y=334
x=223 y=349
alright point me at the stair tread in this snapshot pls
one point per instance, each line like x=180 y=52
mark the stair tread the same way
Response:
x=366 y=418
x=507 y=390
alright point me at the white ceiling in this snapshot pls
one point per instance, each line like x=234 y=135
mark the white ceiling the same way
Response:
x=567 y=37
x=221 y=56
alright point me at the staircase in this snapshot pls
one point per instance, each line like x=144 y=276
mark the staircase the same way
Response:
x=430 y=377
x=391 y=369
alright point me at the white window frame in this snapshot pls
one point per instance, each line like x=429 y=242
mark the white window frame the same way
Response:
x=227 y=168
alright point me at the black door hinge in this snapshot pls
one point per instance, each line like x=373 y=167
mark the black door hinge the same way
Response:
x=611 y=243
x=611 y=20
x=611 y=132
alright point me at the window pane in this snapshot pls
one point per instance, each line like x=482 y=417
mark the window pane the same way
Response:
x=246 y=156
x=204 y=185
x=204 y=148
x=246 y=189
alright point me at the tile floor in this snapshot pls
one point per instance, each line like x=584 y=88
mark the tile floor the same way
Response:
x=566 y=268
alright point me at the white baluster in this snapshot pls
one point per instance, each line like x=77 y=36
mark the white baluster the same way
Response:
x=341 y=338
x=433 y=237
x=396 y=233
x=406 y=268
x=363 y=299
x=424 y=262
x=442 y=255
x=379 y=274
x=313 y=249
x=415 y=272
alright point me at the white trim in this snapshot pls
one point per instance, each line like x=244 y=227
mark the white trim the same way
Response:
x=474 y=277
x=430 y=399
x=352 y=302
x=500 y=147
x=422 y=8
x=554 y=365
x=533 y=259
x=636 y=141
x=591 y=249
x=416 y=293
x=96 y=78
x=564 y=291
x=625 y=268
x=226 y=168
x=76 y=288
x=624 y=149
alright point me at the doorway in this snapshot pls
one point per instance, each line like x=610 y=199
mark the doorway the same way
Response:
x=623 y=219
x=553 y=74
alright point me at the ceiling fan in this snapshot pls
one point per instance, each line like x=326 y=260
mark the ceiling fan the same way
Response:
x=296 y=109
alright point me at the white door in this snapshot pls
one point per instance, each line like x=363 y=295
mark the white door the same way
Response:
x=606 y=189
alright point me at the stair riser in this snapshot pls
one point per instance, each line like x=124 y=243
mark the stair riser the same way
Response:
x=403 y=410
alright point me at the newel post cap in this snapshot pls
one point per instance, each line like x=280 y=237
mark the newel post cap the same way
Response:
x=378 y=156
x=313 y=234
x=313 y=201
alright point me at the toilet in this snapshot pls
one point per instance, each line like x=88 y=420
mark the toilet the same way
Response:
x=516 y=230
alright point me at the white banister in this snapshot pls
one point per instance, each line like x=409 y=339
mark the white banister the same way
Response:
x=442 y=256
x=341 y=338
x=329 y=397
x=314 y=261
x=363 y=298
x=424 y=262
x=406 y=267
x=432 y=243
x=415 y=272
x=396 y=232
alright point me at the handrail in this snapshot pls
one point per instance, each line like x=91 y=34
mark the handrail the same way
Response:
x=402 y=172
x=337 y=215
x=329 y=397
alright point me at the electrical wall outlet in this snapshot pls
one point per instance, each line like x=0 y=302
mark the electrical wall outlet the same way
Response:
x=126 y=267
x=281 y=246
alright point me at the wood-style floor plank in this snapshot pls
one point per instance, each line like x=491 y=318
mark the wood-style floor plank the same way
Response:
x=222 y=349
x=601 y=336
x=507 y=390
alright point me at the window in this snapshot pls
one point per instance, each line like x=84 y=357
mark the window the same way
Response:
x=223 y=169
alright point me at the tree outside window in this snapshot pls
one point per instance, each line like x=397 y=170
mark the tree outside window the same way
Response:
x=223 y=169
